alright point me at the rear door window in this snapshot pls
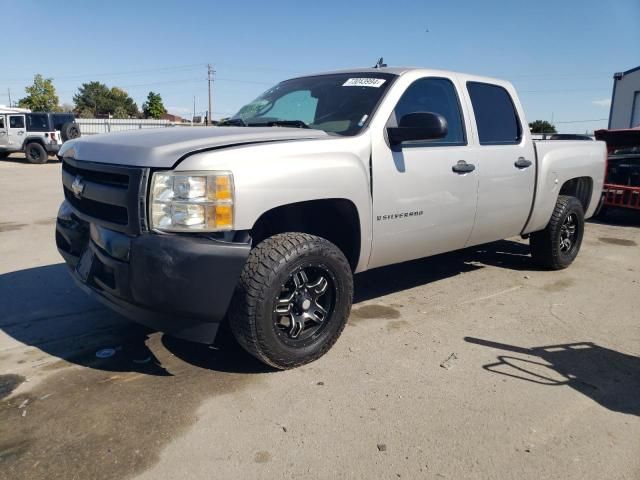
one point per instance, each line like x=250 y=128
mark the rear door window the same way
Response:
x=1 y=121
x=496 y=116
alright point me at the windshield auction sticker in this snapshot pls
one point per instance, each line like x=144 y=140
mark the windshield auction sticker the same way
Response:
x=364 y=82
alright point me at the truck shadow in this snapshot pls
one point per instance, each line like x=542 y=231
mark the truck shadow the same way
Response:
x=619 y=217
x=403 y=276
x=608 y=377
x=42 y=308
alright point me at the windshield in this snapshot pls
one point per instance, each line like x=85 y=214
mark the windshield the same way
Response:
x=338 y=103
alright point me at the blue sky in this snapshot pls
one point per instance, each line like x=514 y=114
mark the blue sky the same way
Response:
x=561 y=55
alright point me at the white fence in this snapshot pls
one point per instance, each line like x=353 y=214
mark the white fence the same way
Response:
x=91 y=126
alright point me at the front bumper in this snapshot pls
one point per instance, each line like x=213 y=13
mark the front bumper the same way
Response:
x=178 y=284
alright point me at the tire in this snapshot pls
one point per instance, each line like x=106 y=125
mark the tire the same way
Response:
x=276 y=313
x=557 y=246
x=69 y=131
x=36 y=153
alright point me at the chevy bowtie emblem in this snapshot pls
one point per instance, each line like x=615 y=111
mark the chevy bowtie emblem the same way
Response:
x=77 y=186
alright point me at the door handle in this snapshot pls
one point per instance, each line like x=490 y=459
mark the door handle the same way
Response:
x=20 y=132
x=522 y=163
x=463 y=167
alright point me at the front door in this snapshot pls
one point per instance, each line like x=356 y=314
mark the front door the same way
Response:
x=16 y=131
x=421 y=206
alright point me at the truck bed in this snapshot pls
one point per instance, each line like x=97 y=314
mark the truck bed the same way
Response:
x=556 y=163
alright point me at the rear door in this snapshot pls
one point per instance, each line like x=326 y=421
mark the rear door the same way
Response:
x=506 y=163
x=421 y=206
x=16 y=131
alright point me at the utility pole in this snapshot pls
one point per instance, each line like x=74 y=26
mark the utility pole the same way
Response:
x=210 y=72
x=9 y=90
x=194 y=110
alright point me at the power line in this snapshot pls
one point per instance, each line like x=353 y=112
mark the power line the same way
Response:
x=177 y=68
x=111 y=74
x=559 y=75
x=564 y=90
x=170 y=82
x=584 y=121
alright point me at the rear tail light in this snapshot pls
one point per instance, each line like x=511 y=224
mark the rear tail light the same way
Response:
x=53 y=136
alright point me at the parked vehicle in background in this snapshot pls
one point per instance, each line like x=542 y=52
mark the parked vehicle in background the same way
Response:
x=569 y=136
x=264 y=221
x=38 y=135
x=66 y=124
x=622 y=180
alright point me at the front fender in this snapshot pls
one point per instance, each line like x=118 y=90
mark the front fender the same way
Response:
x=274 y=175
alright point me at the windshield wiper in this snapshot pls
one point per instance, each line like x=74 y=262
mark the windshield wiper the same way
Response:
x=281 y=123
x=238 y=122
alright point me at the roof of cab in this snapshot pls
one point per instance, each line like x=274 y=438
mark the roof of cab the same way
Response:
x=402 y=70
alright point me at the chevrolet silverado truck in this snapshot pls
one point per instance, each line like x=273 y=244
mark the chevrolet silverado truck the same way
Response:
x=263 y=222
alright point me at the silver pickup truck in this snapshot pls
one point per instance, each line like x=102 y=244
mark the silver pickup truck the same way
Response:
x=263 y=221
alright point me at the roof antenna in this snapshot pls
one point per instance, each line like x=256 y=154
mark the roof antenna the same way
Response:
x=380 y=63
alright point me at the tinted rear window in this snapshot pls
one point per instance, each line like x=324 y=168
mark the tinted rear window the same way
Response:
x=38 y=122
x=496 y=116
x=60 y=119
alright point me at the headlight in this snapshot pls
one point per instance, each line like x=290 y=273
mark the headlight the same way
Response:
x=192 y=201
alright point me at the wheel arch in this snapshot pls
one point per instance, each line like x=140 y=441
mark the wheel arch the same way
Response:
x=29 y=140
x=335 y=219
x=574 y=168
x=580 y=188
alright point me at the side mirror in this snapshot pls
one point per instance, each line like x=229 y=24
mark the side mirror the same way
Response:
x=418 y=126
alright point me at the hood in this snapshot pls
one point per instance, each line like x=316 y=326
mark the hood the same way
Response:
x=163 y=147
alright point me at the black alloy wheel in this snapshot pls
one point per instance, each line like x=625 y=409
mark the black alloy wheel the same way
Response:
x=293 y=299
x=305 y=305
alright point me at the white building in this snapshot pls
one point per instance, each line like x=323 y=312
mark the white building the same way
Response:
x=5 y=109
x=625 y=100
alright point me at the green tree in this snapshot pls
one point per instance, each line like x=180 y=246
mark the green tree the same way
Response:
x=153 y=107
x=95 y=99
x=122 y=105
x=542 y=126
x=41 y=96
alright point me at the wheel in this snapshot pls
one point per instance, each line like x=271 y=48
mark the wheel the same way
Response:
x=558 y=244
x=292 y=301
x=69 y=131
x=36 y=153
